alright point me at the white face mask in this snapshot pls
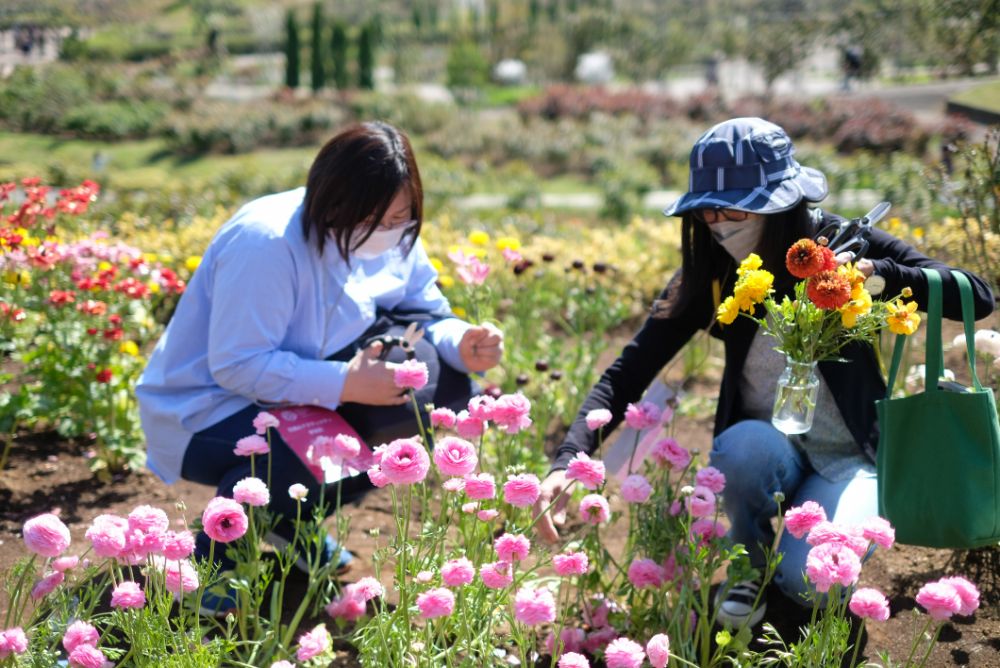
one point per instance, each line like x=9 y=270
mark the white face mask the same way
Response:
x=379 y=242
x=738 y=238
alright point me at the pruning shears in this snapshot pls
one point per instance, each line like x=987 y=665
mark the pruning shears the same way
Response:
x=852 y=235
x=407 y=341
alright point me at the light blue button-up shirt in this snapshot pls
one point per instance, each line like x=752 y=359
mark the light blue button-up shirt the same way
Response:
x=261 y=315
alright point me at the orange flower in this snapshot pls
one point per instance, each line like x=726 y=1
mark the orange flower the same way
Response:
x=829 y=290
x=805 y=258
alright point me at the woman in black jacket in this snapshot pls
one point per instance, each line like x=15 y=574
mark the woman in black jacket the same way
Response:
x=748 y=194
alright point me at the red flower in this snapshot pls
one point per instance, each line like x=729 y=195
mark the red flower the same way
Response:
x=829 y=290
x=805 y=258
x=61 y=297
x=104 y=375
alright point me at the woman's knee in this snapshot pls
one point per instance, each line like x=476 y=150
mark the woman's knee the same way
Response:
x=752 y=450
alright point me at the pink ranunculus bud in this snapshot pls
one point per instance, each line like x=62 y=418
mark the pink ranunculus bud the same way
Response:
x=642 y=415
x=869 y=603
x=47 y=584
x=410 y=375
x=571 y=563
x=668 y=452
x=455 y=456
x=658 y=650
x=624 y=653
x=480 y=486
x=224 y=520
x=522 y=490
x=801 y=519
x=346 y=446
x=453 y=485
x=252 y=491
x=480 y=407
x=438 y=602
x=488 y=514
x=298 y=491
x=46 y=535
x=594 y=509
x=63 y=564
x=346 y=607
x=313 y=643
x=636 y=489
x=443 y=417
x=589 y=472
x=251 y=445
x=128 y=595
x=534 y=606
x=378 y=477
x=265 y=421
x=405 y=462
x=367 y=588
x=597 y=418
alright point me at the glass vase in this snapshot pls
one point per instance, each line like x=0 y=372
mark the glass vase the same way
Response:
x=795 y=397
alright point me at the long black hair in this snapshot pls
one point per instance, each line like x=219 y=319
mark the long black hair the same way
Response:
x=354 y=179
x=703 y=260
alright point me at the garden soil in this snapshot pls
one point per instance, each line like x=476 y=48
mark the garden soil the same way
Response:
x=48 y=474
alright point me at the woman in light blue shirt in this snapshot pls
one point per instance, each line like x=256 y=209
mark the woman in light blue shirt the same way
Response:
x=280 y=308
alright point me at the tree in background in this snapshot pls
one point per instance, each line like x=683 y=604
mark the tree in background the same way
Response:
x=338 y=54
x=317 y=52
x=366 y=58
x=467 y=67
x=291 y=50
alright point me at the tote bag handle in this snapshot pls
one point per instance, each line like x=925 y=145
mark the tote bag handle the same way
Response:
x=933 y=356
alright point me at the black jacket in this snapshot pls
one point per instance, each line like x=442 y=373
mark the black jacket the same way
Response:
x=855 y=386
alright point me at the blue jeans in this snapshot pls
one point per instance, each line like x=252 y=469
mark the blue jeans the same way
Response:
x=758 y=460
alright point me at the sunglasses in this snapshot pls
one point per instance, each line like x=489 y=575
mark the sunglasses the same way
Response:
x=711 y=216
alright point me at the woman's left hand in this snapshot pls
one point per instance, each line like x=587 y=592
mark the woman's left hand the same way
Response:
x=864 y=265
x=481 y=347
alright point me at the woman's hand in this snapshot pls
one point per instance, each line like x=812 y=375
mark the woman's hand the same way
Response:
x=864 y=265
x=549 y=518
x=481 y=347
x=371 y=381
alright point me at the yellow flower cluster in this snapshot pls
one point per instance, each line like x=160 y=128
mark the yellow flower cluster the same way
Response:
x=902 y=318
x=753 y=285
x=861 y=300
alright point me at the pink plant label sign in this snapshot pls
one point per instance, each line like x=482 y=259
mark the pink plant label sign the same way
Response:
x=299 y=428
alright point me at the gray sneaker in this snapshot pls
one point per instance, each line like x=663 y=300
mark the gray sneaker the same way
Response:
x=735 y=606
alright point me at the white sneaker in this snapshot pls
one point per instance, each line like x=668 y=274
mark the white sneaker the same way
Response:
x=736 y=609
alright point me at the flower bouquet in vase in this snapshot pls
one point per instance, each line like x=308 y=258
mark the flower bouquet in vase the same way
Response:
x=830 y=308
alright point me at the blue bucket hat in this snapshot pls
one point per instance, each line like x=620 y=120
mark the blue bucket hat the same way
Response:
x=747 y=164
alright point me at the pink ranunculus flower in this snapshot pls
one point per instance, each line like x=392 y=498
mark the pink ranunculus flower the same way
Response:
x=128 y=595
x=598 y=640
x=88 y=656
x=707 y=528
x=80 y=633
x=712 y=478
x=453 y=485
x=457 y=572
x=879 y=531
x=801 y=519
x=522 y=490
x=282 y=664
x=573 y=660
x=470 y=507
x=180 y=577
x=636 y=489
x=940 y=599
x=313 y=643
x=642 y=415
x=346 y=607
x=512 y=547
x=701 y=502
x=589 y=472
x=487 y=514
x=571 y=563
x=594 y=509
x=443 y=417
x=148 y=519
x=510 y=412
x=346 y=446
x=367 y=588
x=107 y=534
x=658 y=650
x=597 y=418
x=455 y=456
x=643 y=573
x=298 y=491
x=410 y=375
x=480 y=486
x=869 y=603
x=63 y=564
x=829 y=532
x=496 y=575
x=46 y=535
x=534 y=606
x=624 y=653
x=178 y=544
x=571 y=638
x=832 y=563
x=252 y=445
x=481 y=407
x=438 y=602
x=377 y=477
x=224 y=520
x=252 y=491
x=468 y=426
x=265 y=421
x=966 y=591
x=405 y=462
x=668 y=452
x=13 y=641
x=423 y=577
x=47 y=584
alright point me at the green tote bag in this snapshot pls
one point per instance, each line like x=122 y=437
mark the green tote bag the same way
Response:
x=939 y=451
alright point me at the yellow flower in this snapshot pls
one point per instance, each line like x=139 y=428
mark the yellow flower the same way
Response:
x=17 y=278
x=509 y=243
x=30 y=241
x=104 y=265
x=192 y=262
x=150 y=257
x=853 y=274
x=458 y=311
x=446 y=281
x=902 y=318
x=755 y=285
x=129 y=348
x=860 y=304
x=918 y=233
x=751 y=263
x=728 y=310
x=479 y=238
x=153 y=286
x=437 y=264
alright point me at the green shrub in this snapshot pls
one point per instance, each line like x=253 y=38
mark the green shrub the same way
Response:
x=115 y=120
